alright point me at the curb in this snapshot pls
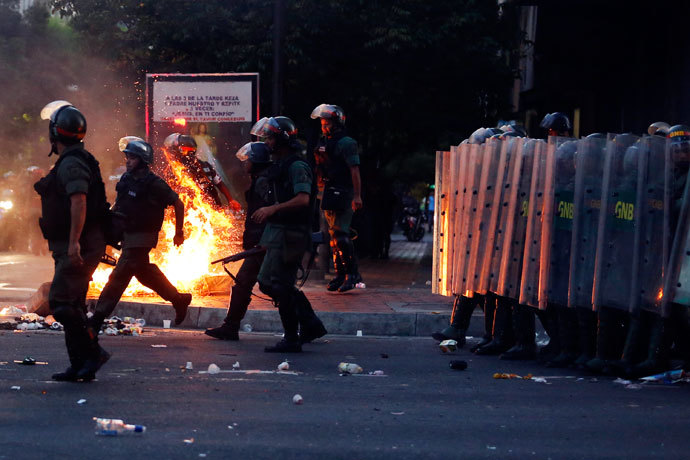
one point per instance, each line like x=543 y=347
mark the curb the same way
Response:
x=343 y=323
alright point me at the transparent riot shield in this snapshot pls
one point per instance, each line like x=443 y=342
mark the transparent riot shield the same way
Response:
x=469 y=192
x=515 y=220
x=529 y=282
x=677 y=275
x=616 y=236
x=557 y=229
x=440 y=199
x=481 y=228
x=502 y=196
x=586 y=206
x=651 y=247
x=458 y=166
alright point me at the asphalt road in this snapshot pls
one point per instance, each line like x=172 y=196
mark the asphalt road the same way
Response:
x=420 y=409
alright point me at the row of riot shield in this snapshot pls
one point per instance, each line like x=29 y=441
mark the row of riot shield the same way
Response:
x=602 y=221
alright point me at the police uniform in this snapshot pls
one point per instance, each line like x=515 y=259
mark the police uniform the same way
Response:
x=142 y=200
x=76 y=171
x=286 y=238
x=334 y=157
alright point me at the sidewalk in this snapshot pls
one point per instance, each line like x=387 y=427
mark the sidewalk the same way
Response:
x=396 y=301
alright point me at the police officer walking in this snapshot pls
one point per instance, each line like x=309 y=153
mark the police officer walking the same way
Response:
x=74 y=208
x=256 y=158
x=287 y=233
x=183 y=148
x=142 y=197
x=337 y=168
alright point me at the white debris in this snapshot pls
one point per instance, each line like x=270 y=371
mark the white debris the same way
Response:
x=189 y=366
x=213 y=369
x=81 y=401
x=284 y=366
x=297 y=399
x=16 y=388
x=236 y=365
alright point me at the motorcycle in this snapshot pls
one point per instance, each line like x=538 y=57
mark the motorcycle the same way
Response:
x=413 y=223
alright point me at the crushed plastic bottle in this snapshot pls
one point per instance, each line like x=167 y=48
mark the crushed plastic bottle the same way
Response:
x=115 y=427
x=448 y=345
x=349 y=368
x=360 y=285
x=213 y=369
x=247 y=328
x=283 y=366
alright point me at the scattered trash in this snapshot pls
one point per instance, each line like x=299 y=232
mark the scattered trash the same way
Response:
x=189 y=366
x=13 y=310
x=666 y=377
x=16 y=387
x=359 y=333
x=230 y=427
x=247 y=328
x=202 y=455
x=539 y=379
x=159 y=346
x=166 y=324
x=491 y=447
x=127 y=326
x=397 y=413
x=503 y=376
x=236 y=365
x=81 y=401
x=213 y=369
x=57 y=326
x=297 y=399
x=622 y=381
x=360 y=285
x=349 y=368
x=458 y=365
x=378 y=373
x=189 y=441
x=634 y=386
x=284 y=366
x=29 y=361
x=448 y=345
x=115 y=427
x=428 y=283
x=384 y=355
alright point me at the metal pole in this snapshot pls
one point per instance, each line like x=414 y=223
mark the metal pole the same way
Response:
x=278 y=33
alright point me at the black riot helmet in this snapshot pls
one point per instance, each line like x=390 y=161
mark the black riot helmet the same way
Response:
x=67 y=123
x=679 y=140
x=281 y=128
x=514 y=130
x=480 y=135
x=658 y=128
x=256 y=152
x=138 y=148
x=557 y=122
x=330 y=112
x=180 y=143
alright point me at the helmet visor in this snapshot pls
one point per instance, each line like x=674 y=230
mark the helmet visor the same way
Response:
x=244 y=151
x=122 y=143
x=48 y=111
x=258 y=127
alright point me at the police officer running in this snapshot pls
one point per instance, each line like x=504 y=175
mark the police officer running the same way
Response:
x=183 y=149
x=287 y=233
x=337 y=168
x=142 y=197
x=256 y=159
x=74 y=209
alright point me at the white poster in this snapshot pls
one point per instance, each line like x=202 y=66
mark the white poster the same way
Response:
x=202 y=101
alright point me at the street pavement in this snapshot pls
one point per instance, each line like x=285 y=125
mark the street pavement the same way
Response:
x=419 y=409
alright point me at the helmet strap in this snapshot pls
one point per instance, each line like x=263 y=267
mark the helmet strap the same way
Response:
x=53 y=149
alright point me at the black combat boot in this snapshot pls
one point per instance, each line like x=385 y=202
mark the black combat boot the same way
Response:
x=352 y=276
x=290 y=342
x=181 y=305
x=567 y=331
x=586 y=336
x=502 y=333
x=523 y=328
x=310 y=326
x=459 y=321
x=488 y=302
x=609 y=341
x=227 y=331
x=656 y=359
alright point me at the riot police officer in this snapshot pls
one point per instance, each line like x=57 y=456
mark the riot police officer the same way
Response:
x=556 y=124
x=337 y=168
x=287 y=233
x=142 y=197
x=256 y=158
x=183 y=149
x=74 y=209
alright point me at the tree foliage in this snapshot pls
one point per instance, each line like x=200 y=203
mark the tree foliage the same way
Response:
x=412 y=76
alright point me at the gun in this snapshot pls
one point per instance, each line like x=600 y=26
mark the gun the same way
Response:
x=240 y=255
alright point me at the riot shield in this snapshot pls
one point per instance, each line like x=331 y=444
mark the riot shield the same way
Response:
x=502 y=196
x=441 y=200
x=677 y=275
x=586 y=206
x=458 y=166
x=481 y=229
x=650 y=252
x=514 y=221
x=469 y=193
x=557 y=230
x=529 y=282
x=616 y=235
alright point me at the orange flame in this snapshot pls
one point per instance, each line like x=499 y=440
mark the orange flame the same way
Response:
x=210 y=233
x=180 y=121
